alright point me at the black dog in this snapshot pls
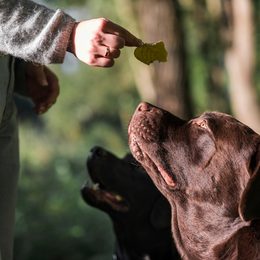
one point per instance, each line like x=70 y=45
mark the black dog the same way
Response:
x=141 y=216
x=209 y=170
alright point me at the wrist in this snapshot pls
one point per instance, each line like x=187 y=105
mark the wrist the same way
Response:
x=71 y=43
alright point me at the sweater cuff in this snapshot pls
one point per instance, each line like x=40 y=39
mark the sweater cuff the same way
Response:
x=66 y=26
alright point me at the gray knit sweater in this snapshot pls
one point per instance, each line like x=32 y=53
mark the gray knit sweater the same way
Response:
x=33 y=32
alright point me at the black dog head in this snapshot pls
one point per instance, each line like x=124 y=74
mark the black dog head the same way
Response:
x=140 y=214
x=208 y=168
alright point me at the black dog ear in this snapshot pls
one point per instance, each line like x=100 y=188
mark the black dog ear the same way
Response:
x=249 y=206
x=161 y=214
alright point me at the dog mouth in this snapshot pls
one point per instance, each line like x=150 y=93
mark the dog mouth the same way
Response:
x=97 y=195
x=152 y=164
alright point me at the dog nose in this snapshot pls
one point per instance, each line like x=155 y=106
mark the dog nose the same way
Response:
x=97 y=151
x=144 y=107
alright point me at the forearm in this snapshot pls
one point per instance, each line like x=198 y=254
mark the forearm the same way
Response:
x=33 y=32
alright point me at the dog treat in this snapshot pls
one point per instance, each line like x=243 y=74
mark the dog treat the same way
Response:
x=150 y=52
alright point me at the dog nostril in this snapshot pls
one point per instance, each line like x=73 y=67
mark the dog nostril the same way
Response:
x=144 y=107
x=98 y=151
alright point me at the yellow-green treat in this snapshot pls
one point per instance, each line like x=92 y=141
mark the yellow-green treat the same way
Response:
x=150 y=52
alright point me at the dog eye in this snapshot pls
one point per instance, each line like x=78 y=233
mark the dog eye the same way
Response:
x=202 y=123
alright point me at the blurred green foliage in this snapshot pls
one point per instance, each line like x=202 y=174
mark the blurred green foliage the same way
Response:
x=94 y=108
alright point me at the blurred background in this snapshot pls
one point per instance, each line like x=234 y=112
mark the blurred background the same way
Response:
x=213 y=64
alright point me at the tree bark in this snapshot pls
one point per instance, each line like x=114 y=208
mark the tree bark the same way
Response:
x=163 y=84
x=240 y=63
x=142 y=74
x=162 y=21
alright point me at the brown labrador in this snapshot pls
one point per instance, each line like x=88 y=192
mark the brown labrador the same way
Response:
x=209 y=170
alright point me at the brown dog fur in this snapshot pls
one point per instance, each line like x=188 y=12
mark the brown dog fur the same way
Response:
x=208 y=168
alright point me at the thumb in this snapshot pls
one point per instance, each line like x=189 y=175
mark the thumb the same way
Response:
x=130 y=39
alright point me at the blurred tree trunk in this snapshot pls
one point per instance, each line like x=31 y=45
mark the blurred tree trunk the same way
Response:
x=161 y=20
x=240 y=61
x=142 y=74
x=207 y=20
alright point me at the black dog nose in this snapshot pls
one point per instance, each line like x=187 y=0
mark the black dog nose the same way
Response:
x=144 y=107
x=97 y=151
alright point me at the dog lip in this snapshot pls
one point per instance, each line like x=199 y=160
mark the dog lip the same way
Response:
x=157 y=166
x=98 y=195
x=136 y=150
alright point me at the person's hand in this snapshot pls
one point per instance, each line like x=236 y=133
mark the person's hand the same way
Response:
x=42 y=87
x=97 y=42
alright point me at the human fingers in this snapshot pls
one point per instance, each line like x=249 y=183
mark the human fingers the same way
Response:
x=53 y=87
x=53 y=90
x=40 y=76
x=101 y=56
x=100 y=61
x=107 y=52
x=36 y=71
x=113 y=41
x=129 y=38
x=112 y=53
x=93 y=43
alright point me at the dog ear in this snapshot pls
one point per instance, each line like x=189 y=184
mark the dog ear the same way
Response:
x=161 y=214
x=249 y=206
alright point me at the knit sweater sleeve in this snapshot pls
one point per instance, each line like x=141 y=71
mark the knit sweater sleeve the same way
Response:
x=33 y=32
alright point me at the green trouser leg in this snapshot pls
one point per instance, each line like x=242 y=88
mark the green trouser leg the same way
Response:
x=9 y=166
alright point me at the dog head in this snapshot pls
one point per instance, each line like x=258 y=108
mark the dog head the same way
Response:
x=212 y=159
x=140 y=214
